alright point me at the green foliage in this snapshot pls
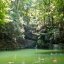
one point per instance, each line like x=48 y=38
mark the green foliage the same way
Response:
x=40 y=15
x=2 y=13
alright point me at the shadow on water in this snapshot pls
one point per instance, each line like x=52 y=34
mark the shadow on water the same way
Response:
x=51 y=52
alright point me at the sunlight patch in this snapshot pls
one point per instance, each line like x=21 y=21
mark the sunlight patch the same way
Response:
x=10 y=62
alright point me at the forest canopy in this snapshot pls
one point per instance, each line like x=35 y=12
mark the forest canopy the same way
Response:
x=24 y=21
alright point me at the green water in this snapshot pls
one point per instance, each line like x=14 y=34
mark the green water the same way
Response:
x=31 y=56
